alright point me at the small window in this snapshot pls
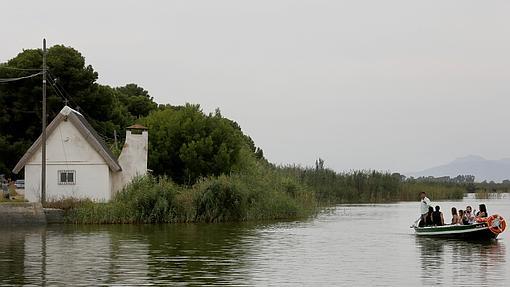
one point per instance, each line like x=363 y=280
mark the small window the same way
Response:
x=66 y=177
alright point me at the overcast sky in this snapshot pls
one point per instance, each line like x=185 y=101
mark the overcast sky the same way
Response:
x=388 y=85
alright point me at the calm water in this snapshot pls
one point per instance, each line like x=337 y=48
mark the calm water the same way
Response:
x=350 y=245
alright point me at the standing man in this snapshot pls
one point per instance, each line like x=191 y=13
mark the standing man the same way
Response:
x=424 y=207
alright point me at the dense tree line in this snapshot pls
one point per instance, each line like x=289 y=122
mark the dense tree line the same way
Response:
x=185 y=143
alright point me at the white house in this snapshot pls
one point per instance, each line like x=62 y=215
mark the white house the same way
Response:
x=78 y=162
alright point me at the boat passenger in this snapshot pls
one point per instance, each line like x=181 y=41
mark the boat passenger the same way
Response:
x=469 y=214
x=465 y=219
x=483 y=211
x=461 y=216
x=424 y=207
x=437 y=217
x=429 y=219
x=455 y=216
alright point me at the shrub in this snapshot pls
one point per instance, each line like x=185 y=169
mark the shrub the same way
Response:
x=220 y=199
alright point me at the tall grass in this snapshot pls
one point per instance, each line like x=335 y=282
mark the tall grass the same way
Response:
x=484 y=194
x=368 y=186
x=257 y=191
x=409 y=190
x=258 y=195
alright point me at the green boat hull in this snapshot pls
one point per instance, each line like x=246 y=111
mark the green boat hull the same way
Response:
x=478 y=231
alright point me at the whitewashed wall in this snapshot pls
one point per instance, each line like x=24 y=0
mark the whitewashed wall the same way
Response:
x=92 y=181
x=67 y=149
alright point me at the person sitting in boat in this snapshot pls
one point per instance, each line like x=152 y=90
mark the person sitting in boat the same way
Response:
x=465 y=218
x=469 y=215
x=437 y=217
x=455 y=216
x=483 y=211
x=429 y=217
x=424 y=208
x=461 y=216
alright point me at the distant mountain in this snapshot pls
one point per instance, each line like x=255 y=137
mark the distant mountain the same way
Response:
x=481 y=168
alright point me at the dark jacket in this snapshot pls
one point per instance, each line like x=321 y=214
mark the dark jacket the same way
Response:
x=436 y=218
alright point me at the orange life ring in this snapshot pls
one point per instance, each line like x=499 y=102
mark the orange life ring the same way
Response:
x=496 y=223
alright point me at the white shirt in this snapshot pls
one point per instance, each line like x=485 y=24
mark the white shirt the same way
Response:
x=424 y=205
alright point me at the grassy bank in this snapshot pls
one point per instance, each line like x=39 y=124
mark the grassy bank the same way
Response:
x=264 y=193
x=258 y=195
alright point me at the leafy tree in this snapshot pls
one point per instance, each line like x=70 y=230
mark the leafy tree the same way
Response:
x=137 y=100
x=187 y=144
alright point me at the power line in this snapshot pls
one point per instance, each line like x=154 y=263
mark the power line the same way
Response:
x=58 y=92
x=7 y=80
x=63 y=93
x=60 y=88
x=19 y=69
x=56 y=89
x=66 y=101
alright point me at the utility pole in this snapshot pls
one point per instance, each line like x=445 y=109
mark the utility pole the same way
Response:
x=43 y=136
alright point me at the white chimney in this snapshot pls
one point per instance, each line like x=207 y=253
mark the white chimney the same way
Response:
x=133 y=158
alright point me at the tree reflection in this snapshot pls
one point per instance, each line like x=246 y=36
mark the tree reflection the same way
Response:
x=198 y=253
x=11 y=257
x=125 y=254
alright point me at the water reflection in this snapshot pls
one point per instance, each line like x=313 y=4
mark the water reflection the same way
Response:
x=432 y=260
x=12 y=251
x=66 y=256
x=457 y=262
x=198 y=254
x=125 y=255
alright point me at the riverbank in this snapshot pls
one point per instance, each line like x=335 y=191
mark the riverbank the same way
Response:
x=21 y=213
x=262 y=192
x=258 y=195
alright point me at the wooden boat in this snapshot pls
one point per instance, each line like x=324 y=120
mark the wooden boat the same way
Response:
x=483 y=229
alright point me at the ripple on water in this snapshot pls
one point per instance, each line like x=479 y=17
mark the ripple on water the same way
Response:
x=349 y=245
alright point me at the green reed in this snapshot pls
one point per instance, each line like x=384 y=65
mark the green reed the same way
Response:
x=368 y=186
x=258 y=191
x=262 y=195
